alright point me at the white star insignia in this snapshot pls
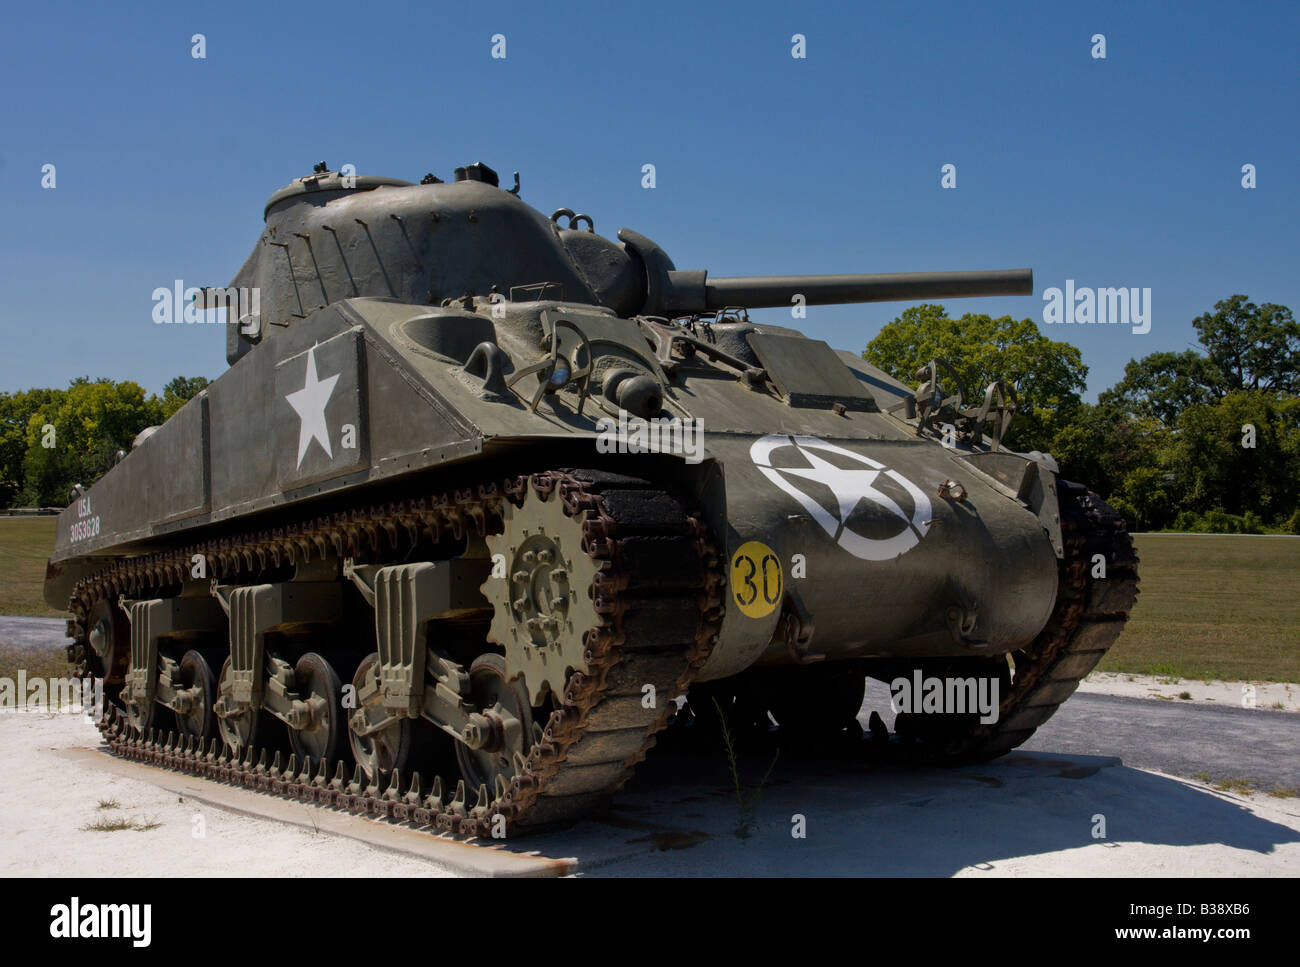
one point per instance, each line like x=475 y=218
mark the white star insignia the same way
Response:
x=309 y=403
x=850 y=487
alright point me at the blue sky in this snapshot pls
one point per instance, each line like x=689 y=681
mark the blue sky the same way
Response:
x=1117 y=172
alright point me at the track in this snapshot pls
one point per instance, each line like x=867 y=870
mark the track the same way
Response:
x=1089 y=615
x=653 y=631
x=658 y=623
x=1097 y=586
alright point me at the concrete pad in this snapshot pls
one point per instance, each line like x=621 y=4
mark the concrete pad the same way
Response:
x=1025 y=814
x=58 y=773
x=1276 y=696
x=470 y=859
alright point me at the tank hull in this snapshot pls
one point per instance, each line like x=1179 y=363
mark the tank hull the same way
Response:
x=847 y=503
x=521 y=524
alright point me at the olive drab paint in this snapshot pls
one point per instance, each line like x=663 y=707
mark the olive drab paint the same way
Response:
x=413 y=346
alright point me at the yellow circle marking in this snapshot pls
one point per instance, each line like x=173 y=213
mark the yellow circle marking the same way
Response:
x=756 y=579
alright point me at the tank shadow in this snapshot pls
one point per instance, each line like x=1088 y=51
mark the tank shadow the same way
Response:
x=1031 y=813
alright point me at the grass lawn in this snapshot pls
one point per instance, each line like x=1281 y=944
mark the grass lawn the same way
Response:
x=47 y=664
x=1211 y=606
x=1214 y=606
x=25 y=544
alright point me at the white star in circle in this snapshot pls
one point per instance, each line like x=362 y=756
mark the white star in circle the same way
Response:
x=309 y=403
x=850 y=487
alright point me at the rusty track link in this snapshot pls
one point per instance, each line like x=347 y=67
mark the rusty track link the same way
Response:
x=651 y=633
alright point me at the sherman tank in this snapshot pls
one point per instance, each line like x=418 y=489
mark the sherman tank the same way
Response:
x=484 y=494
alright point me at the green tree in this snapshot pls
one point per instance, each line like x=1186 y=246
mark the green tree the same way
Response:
x=92 y=421
x=1189 y=413
x=1221 y=465
x=1145 y=496
x=1101 y=446
x=16 y=410
x=1160 y=386
x=1048 y=376
x=1254 y=347
x=180 y=391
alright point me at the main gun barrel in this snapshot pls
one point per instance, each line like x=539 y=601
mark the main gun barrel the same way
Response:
x=670 y=291
x=768 y=291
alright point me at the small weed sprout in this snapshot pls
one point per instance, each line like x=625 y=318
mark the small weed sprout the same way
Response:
x=108 y=825
x=113 y=824
x=746 y=802
x=1243 y=786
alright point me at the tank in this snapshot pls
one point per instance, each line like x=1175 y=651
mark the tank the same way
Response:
x=484 y=494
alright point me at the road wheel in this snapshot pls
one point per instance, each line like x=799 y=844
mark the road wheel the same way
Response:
x=239 y=732
x=199 y=721
x=108 y=631
x=507 y=731
x=402 y=745
x=324 y=735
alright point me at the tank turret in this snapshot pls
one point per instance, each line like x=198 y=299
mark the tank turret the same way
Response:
x=331 y=236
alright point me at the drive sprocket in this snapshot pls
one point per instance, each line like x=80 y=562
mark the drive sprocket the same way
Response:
x=543 y=607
